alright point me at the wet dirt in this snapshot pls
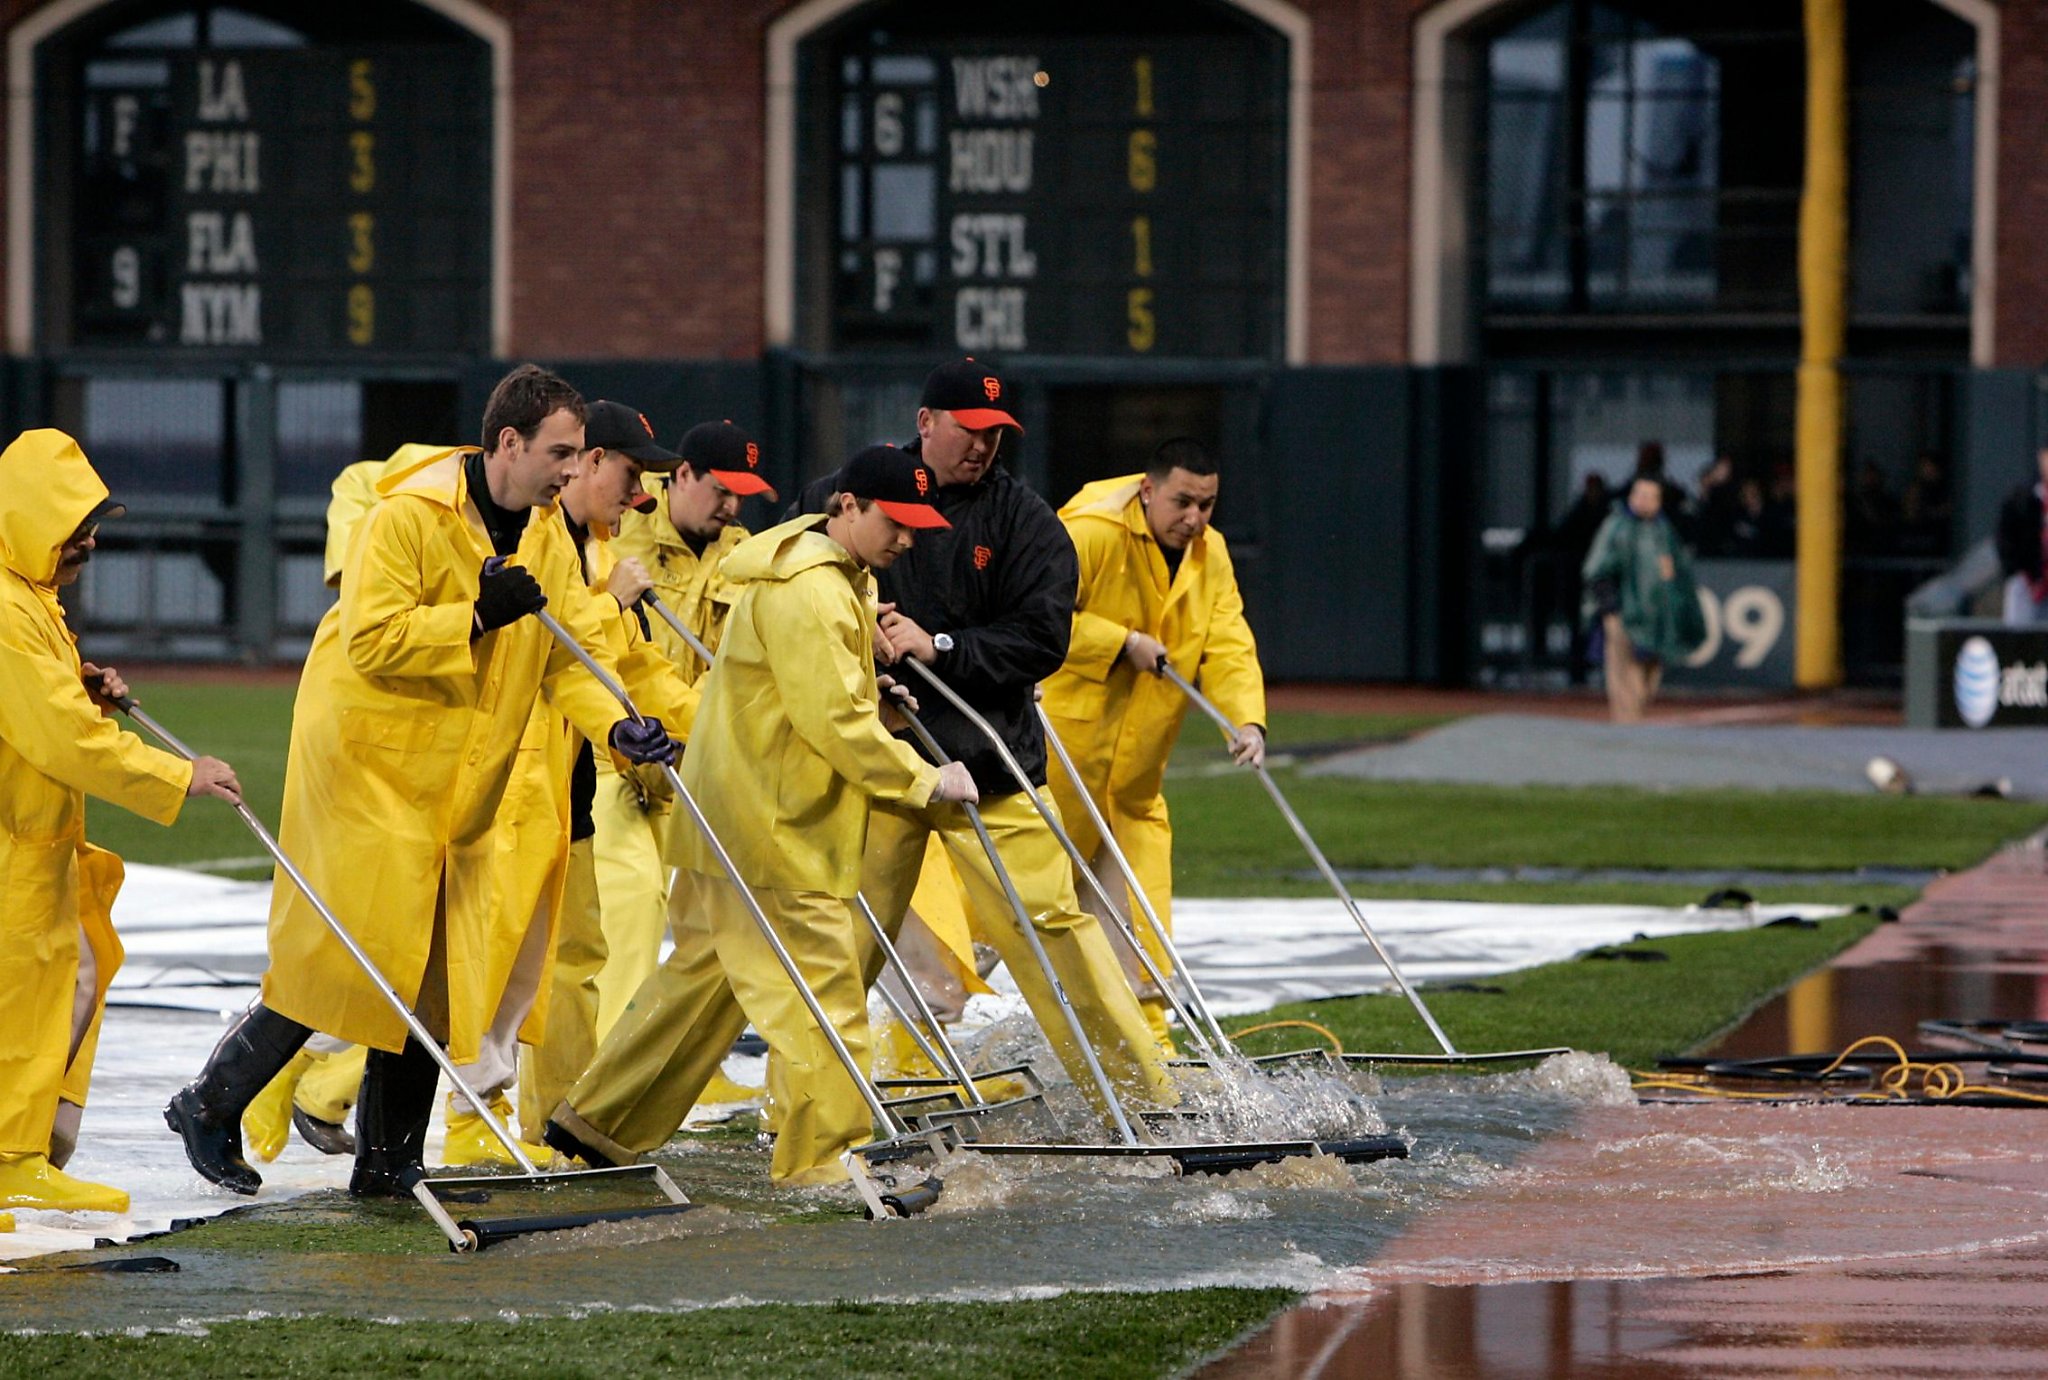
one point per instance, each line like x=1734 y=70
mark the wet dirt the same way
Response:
x=1746 y=1239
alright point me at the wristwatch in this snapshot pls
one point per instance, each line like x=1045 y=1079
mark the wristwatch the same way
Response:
x=942 y=642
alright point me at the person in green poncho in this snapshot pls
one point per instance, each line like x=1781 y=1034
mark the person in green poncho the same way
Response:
x=1640 y=590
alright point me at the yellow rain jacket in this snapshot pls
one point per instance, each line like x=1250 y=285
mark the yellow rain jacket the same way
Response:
x=791 y=746
x=56 y=748
x=403 y=740
x=694 y=587
x=1118 y=724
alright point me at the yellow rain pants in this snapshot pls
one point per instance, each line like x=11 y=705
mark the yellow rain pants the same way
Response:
x=722 y=975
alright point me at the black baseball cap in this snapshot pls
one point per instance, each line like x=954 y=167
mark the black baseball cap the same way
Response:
x=896 y=482
x=728 y=455
x=618 y=427
x=974 y=393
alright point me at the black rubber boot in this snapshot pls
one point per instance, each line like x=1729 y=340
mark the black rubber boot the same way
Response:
x=564 y=1141
x=329 y=1138
x=207 y=1112
x=392 y=1114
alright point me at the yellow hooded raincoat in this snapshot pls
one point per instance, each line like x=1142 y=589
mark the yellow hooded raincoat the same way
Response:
x=1120 y=725
x=56 y=747
x=792 y=747
x=404 y=737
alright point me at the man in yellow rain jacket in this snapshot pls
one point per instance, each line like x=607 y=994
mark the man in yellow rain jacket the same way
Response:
x=58 y=950
x=1156 y=583
x=316 y=1089
x=682 y=543
x=546 y=823
x=789 y=751
x=414 y=697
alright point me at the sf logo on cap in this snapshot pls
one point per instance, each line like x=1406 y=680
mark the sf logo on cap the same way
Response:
x=753 y=456
x=924 y=480
x=993 y=387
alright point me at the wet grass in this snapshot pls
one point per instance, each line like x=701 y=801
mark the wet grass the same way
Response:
x=247 y=726
x=1230 y=841
x=1096 y=1336
x=1632 y=1010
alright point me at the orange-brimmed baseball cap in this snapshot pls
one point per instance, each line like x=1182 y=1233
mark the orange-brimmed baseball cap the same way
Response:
x=896 y=482
x=727 y=454
x=974 y=393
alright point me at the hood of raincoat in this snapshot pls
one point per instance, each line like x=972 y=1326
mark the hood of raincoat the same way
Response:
x=1103 y=498
x=784 y=551
x=433 y=472
x=49 y=486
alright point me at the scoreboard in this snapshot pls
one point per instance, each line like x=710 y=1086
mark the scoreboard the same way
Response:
x=1104 y=195
x=292 y=201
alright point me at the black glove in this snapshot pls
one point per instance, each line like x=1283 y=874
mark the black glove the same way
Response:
x=644 y=741
x=505 y=594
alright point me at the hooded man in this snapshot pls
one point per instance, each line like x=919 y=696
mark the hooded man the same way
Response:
x=680 y=541
x=790 y=757
x=988 y=605
x=415 y=695
x=57 y=746
x=1157 y=586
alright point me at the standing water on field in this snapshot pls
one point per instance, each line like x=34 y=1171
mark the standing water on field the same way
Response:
x=1002 y=1228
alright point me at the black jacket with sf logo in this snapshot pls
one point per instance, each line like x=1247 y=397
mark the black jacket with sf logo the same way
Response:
x=1001 y=580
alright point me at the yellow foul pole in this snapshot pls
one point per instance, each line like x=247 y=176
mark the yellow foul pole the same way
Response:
x=1823 y=288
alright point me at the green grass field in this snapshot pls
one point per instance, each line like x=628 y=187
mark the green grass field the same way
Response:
x=1229 y=842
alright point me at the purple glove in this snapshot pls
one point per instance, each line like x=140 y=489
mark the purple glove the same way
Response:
x=643 y=741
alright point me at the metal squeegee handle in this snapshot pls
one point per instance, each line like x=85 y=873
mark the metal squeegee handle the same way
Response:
x=995 y=862
x=782 y=955
x=1196 y=1001
x=951 y=1056
x=363 y=960
x=1082 y=870
x=1233 y=732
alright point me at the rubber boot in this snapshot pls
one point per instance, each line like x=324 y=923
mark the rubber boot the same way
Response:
x=323 y=1100
x=207 y=1112
x=898 y=1056
x=1155 y=1009
x=391 y=1121
x=470 y=1140
x=267 y=1124
x=30 y=1181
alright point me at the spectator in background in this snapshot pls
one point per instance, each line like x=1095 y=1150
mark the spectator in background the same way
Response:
x=1571 y=539
x=2019 y=549
x=1714 y=508
x=1650 y=465
x=1639 y=584
x=1872 y=513
x=1925 y=511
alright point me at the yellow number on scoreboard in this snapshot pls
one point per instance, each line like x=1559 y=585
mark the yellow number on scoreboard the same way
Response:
x=362 y=314
x=362 y=90
x=1144 y=164
x=362 y=174
x=1141 y=246
x=1141 y=69
x=1143 y=331
x=362 y=235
